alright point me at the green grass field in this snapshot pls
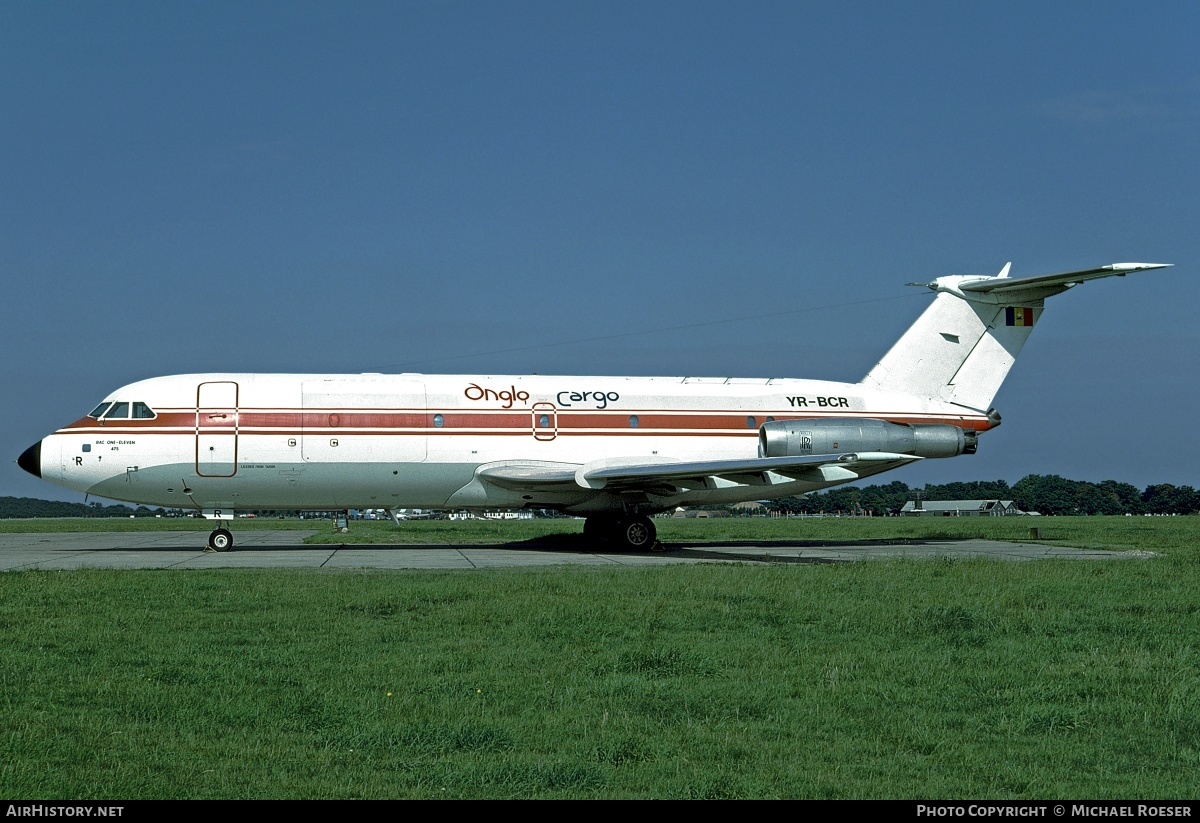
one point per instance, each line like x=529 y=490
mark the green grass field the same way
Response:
x=900 y=679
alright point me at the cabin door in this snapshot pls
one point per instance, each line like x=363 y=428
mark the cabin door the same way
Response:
x=217 y=429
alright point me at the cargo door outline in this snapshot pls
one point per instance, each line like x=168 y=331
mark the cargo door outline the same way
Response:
x=360 y=420
x=217 y=429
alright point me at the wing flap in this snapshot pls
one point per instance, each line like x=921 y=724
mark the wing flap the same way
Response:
x=821 y=468
x=628 y=474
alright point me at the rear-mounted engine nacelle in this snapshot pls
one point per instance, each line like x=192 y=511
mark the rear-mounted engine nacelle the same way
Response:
x=795 y=438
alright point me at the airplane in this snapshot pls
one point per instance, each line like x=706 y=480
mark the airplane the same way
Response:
x=614 y=450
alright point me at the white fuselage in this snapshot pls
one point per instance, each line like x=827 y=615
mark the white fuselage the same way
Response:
x=311 y=441
x=614 y=449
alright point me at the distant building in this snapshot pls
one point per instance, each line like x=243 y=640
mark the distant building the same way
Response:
x=521 y=514
x=960 y=508
x=681 y=512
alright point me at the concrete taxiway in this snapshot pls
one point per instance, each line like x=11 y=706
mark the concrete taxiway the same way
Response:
x=282 y=549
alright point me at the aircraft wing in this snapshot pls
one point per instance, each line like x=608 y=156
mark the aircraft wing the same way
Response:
x=1064 y=280
x=670 y=477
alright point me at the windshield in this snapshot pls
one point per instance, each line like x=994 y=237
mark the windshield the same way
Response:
x=120 y=410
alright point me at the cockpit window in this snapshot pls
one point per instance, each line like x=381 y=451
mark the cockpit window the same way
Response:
x=109 y=410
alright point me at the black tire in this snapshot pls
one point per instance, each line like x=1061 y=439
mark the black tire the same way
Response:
x=221 y=540
x=599 y=529
x=637 y=533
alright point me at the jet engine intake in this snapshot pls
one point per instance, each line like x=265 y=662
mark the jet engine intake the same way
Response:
x=796 y=438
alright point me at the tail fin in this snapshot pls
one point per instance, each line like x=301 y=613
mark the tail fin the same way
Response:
x=962 y=346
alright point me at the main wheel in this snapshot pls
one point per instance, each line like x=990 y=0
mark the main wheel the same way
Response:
x=220 y=540
x=597 y=529
x=636 y=533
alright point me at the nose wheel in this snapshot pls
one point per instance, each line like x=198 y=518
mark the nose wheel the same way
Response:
x=220 y=540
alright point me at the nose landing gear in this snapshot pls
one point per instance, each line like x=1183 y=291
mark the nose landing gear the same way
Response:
x=220 y=540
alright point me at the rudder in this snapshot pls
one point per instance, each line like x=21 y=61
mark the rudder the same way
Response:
x=958 y=350
x=961 y=347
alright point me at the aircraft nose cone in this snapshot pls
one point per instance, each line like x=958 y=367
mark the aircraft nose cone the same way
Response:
x=31 y=459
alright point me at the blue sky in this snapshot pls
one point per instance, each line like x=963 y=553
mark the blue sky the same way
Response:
x=708 y=188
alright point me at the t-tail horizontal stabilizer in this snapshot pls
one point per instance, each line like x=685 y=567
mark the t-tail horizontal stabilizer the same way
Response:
x=962 y=346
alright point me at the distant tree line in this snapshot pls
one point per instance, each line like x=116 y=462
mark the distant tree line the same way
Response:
x=1046 y=494
x=32 y=507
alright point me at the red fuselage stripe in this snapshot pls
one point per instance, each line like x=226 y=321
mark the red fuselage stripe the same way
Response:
x=380 y=422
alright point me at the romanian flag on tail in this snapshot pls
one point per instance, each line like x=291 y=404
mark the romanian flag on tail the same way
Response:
x=1016 y=316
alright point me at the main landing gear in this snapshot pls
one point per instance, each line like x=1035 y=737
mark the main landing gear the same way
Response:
x=631 y=533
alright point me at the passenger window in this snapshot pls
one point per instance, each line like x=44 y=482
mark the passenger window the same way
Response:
x=119 y=411
x=142 y=412
x=98 y=412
